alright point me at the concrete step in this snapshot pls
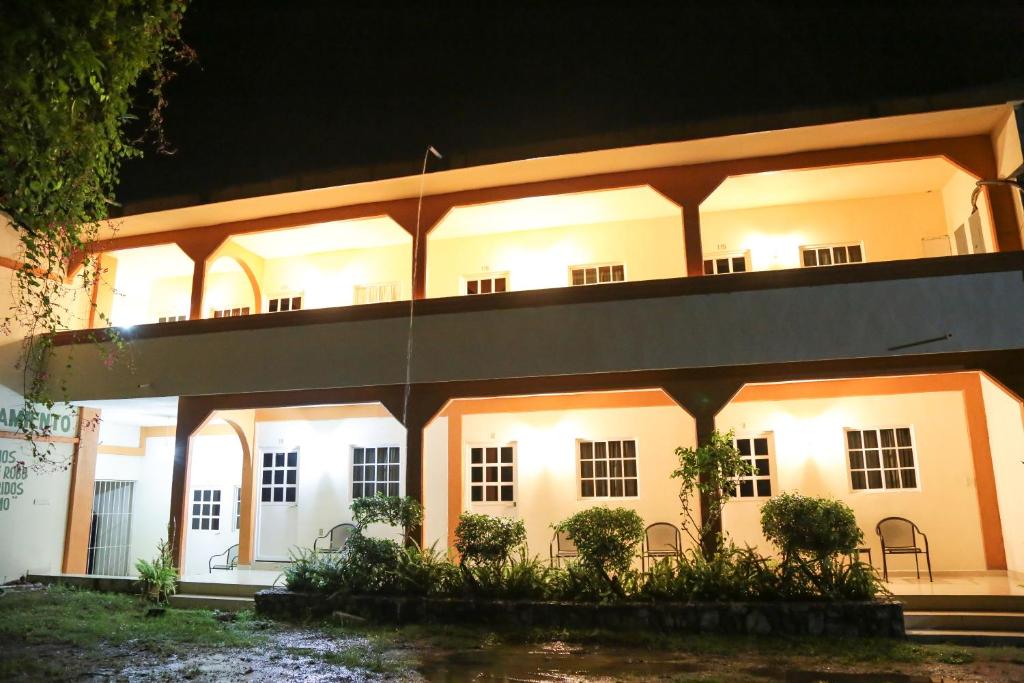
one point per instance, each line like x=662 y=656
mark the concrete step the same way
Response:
x=967 y=637
x=215 y=602
x=232 y=590
x=965 y=621
x=962 y=603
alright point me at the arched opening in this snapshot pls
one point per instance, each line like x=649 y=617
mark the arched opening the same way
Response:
x=885 y=211
x=142 y=285
x=231 y=288
x=562 y=240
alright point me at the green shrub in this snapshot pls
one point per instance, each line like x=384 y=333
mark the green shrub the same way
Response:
x=521 y=578
x=425 y=572
x=405 y=513
x=313 y=572
x=818 y=527
x=483 y=539
x=814 y=535
x=158 y=580
x=606 y=539
x=731 y=574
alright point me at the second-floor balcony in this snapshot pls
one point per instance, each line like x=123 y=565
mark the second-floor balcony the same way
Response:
x=801 y=218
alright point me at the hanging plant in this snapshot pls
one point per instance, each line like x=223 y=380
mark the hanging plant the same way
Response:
x=72 y=76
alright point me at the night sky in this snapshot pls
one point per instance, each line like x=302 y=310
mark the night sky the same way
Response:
x=286 y=89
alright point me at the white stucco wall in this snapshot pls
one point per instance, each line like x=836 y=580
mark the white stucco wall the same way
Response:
x=1006 y=437
x=890 y=227
x=325 y=467
x=216 y=463
x=651 y=249
x=547 y=485
x=435 y=483
x=152 y=496
x=810 y=458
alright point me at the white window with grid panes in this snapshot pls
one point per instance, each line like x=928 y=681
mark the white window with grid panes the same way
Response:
x=723 y=263
x=758 y=454
x=231 y=312
x=376 y=471
x=882 y=459
x=206 y=510
x=171 y=318
x=817 y=255
x=597 y=274
x=282 y=303
x=492 y=474
x=486 y=284
x=280 y=478
x=607 y=469
x=236 y=524
x=376 y=293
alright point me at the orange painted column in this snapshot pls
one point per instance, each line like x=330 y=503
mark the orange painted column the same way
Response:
x=243 y=422
x=984 y=473
x=80 y=493
x=190 y=418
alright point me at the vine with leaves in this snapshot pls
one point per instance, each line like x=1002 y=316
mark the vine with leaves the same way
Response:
x=74 y=78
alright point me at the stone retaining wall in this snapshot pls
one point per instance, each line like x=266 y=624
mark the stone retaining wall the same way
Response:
x=856 y=619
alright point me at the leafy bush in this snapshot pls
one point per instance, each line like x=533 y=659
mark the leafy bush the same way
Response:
x=483 y=539
x=707 y=474
x=732 y=574
x=313 y=572
x=814 y=534
x=521 y=578
x=405 y=513
x=158 y=580
x=606 y=539
x=425 y=572
x=818 y=527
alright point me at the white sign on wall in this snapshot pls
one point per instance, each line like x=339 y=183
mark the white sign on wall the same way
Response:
x=15 y=454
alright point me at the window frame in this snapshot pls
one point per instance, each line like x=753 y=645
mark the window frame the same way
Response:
x=830 y=246
x=884 y=489
x=715 y=256
x=598 y=266
x=220 y=312
x=352 y=463
x=297 y=485
x=579 y=470
x=772 y=465
x=497 y=275
x=171 y=318
x=469 y=502
x=395 y=285
x=218 y=518
x=290 y=297
x=236 y=517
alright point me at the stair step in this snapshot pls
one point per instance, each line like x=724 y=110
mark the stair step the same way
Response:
x=965 y=621
x=962 y=603
x=234 y=590
x=967 y=637
x=217 y=602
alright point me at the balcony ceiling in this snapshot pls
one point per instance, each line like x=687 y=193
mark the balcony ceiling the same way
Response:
x=365 y=233
x=830 y=184
x=534 y=213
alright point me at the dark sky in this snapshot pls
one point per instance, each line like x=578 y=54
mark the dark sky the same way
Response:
x=284 y=88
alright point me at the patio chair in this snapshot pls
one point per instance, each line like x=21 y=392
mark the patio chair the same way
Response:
x=562 y=547
x=899 y=536
x=661 y=539
x=229 y=561
x=335 y=539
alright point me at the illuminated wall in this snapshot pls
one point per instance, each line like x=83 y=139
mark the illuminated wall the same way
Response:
x=890 y=227
x=215 y=463
x=329 y=279
x=1006 y=433
x=227 y=288
x=810 y=458
x=536 y=259
x=547 y=467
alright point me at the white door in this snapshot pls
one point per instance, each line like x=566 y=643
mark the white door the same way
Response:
x=492 y=479
x=278 y=511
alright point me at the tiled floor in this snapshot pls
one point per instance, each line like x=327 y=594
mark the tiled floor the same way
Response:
x=956 y=583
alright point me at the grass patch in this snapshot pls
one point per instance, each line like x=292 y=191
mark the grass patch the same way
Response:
x=85 y=618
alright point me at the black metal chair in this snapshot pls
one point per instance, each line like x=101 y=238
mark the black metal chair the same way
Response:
x=661 y=539
x=230 y=559
x=899 y=536
x=335 y=539
x=562 y=548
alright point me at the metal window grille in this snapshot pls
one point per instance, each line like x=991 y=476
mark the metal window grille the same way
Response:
x=109 y=552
